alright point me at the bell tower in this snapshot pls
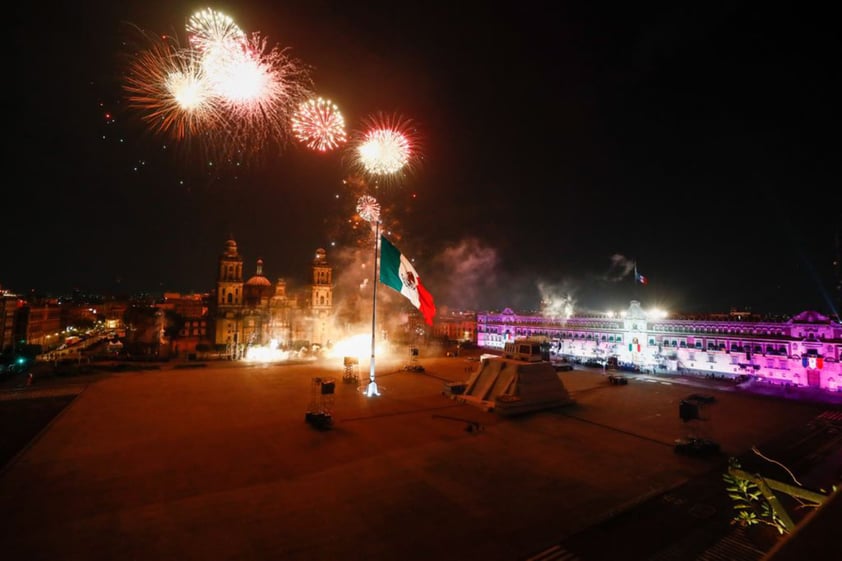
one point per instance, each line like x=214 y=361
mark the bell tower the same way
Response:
x=321 y=296
x=229 y=296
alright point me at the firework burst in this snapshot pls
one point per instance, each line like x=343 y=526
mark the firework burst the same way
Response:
x=209 y=30
x=352 y=229
x=319 y=125
x=387 y=146
x=368 y=208
x=260 y=86
x=231 y=92
x=167 y=86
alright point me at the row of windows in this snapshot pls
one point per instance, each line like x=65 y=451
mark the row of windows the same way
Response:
x=489 y=325
x=520 y=332
x=618 y=339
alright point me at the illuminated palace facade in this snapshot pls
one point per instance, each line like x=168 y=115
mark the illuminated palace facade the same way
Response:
x=803 y=351
x=258 y=312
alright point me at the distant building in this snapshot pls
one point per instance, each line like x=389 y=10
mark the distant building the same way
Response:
x=803 y=351
x=43 y=323
x=192 y=311
x=459 y=326
x=259 y=312
x=9 y=305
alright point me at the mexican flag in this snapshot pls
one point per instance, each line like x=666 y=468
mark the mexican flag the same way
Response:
x=397 y=272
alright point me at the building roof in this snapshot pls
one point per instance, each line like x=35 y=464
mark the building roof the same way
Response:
x=259 y=279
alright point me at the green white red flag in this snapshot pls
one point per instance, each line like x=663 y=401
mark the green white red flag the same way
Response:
x=397 y=272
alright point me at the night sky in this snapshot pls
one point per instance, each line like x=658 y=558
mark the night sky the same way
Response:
x=556 y=149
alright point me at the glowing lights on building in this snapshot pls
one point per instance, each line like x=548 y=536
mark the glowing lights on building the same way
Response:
x=805 y=350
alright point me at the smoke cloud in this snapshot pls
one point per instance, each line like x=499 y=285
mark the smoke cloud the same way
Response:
x=462 y=274
x=621 y=267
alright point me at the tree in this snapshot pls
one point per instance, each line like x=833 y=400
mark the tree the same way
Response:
x=144 y=328
x=173 y=324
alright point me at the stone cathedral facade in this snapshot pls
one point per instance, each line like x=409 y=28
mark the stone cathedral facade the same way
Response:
x=258 y=312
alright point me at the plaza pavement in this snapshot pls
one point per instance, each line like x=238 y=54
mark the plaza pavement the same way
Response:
x=218 y=463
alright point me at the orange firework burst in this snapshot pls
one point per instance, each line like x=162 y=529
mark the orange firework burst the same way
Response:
x=231 y=93
x=167 y=85
x=319 y=125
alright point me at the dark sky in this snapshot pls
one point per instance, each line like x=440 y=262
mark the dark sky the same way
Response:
x=559 y=145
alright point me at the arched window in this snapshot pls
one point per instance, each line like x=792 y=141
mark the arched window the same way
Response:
x=230 y=298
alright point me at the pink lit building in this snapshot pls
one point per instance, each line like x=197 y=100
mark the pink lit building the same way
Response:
x=803 y=351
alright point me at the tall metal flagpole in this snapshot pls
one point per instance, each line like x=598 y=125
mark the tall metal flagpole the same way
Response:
x=372 y=385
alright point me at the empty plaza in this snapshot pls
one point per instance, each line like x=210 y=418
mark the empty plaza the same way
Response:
x=219 y=463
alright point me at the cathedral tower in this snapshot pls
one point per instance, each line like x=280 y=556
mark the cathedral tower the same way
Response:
x=229 y=296
x=321 y=297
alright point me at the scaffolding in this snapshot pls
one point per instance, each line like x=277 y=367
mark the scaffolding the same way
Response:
x=320 y=412
x=352 y=370
x=412 y=364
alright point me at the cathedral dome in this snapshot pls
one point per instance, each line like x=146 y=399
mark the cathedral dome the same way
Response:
x=258 y=279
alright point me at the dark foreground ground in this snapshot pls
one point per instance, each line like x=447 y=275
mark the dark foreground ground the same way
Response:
x=218 y=463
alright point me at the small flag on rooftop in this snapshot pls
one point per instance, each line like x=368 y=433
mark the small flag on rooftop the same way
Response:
x=640 y=278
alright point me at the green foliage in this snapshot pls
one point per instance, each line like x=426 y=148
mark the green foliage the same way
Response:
x=750 y=505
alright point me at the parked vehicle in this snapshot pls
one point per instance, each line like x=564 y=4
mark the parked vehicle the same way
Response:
x=618 y=380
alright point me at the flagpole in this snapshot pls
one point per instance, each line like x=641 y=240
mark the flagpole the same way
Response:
x=372 y=385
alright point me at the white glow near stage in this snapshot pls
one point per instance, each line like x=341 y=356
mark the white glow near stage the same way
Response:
x=267 y=353
x=359 y=347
